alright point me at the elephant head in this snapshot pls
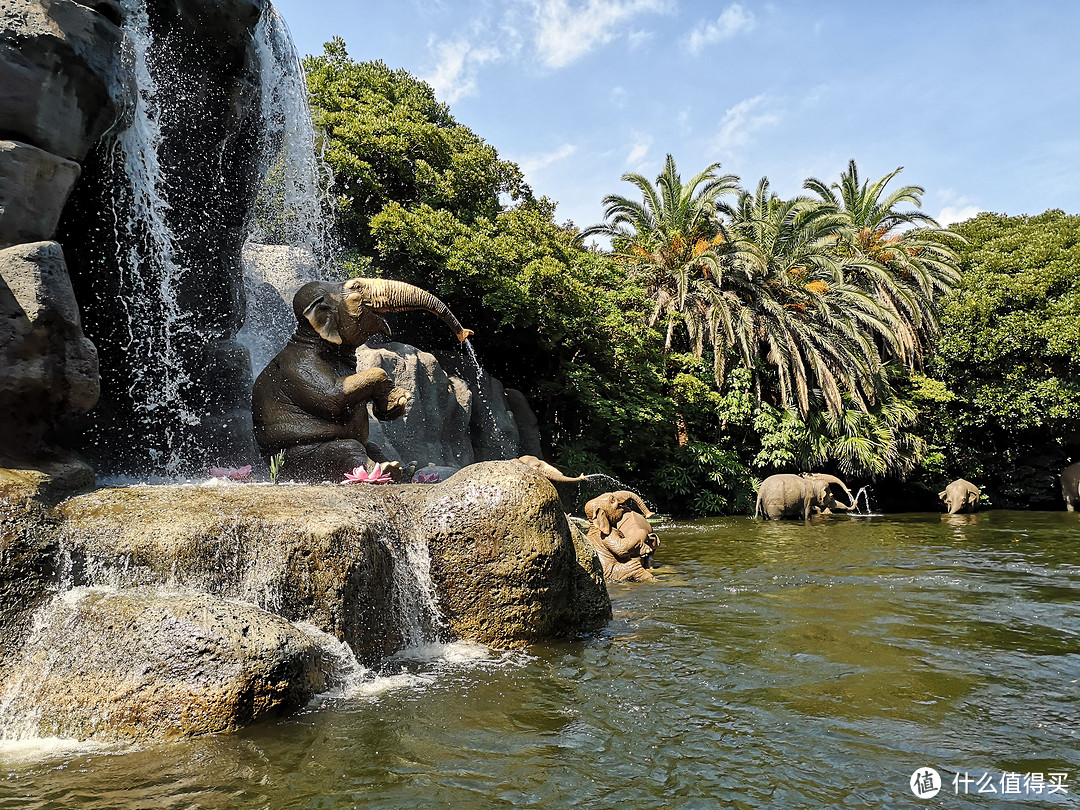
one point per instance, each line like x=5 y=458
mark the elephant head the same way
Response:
x=960 y=496
x=548 y=471
x=830 y=480
x=348 y=314
x=605 y=511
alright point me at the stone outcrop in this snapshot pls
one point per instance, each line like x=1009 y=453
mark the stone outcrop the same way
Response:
x=454 y=417
x=216 y=592
x=65 y=81
x=142 y=664
x=48 y=368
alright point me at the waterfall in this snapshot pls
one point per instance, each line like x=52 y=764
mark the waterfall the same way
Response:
x=419 y=619
x=149 y=272
x=505 y=438
x=293 y=205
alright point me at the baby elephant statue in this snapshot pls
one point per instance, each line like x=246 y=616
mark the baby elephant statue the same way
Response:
x=792 y=496
x=960 y=496
x=310 y=401
x=623 y=538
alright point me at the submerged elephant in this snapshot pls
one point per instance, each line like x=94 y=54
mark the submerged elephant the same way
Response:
x=310 y=401
x=960 y=496
x=830 y=500
x=624 y=539
x=548 y=471
x=790 y=496
x=1070 y=486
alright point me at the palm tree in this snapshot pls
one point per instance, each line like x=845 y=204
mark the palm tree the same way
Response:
x=784 y=308
x=669 y=239
x=904 y=259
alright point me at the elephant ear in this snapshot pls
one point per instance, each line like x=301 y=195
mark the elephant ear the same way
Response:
x=602 y=522
x=941 y=495
x=323 y=317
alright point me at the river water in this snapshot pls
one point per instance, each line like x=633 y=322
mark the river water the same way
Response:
x=774 y=665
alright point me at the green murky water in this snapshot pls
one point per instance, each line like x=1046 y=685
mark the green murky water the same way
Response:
x=775 y=665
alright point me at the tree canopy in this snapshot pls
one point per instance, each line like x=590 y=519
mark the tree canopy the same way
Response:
x=727 y=333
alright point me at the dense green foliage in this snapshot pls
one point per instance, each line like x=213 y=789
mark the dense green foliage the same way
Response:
x=727 y=334
x=423 y=199
x=1001 y=403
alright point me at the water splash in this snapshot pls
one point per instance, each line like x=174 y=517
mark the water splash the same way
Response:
x=864 y=495
x=505 y=441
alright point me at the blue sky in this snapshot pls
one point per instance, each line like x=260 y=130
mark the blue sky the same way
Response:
x=978 y=101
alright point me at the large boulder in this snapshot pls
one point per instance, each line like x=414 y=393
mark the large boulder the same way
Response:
x=509 y=573
x=34 y=185
x=49 y=369
x=63 y=77
x=435 y=427
x=156 y=664
x=28 y=554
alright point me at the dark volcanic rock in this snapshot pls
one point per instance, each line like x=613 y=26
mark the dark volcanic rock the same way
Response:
x=49 y=369
x=64 y=76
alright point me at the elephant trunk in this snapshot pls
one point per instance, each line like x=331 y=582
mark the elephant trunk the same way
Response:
x=832 y=479
x=387 y=295
x=646 y=511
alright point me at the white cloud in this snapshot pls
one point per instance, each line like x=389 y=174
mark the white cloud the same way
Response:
x=734 y=20
x=534 y=163
x=955 y=207
x=951 y=213
x=565 y=33
x=743 y=121
x=454 y=76
x=638 y=151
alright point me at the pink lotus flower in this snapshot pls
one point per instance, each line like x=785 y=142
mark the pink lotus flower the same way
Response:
x=232 y=473
x=362 y=476
x=425 y=478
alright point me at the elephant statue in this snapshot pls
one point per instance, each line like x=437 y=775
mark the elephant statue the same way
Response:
x=1070 y=486
x=960 y=496
x=624 y=539
x=831 y=504
x=310 y=401
x=548 y=471
x=790 y=496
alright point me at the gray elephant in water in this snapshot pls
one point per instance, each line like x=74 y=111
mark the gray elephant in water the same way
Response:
x=310 y=401
x=960 y=496
x=620 y=532
x=791 y=496
x=548 y=471
x=1070 y=486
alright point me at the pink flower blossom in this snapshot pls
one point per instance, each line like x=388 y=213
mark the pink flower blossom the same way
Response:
x=362 y=476
x=232 y=473
x=425 y=478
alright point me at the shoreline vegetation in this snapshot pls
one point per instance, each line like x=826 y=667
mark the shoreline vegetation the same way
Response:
x=724 y=333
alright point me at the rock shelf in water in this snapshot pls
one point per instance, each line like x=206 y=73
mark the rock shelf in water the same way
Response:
x=113 y=573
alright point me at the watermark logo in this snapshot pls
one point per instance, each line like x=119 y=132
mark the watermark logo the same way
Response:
x=925 y=783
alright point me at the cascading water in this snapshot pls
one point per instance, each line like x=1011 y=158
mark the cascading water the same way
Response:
x=419 y=619
x=149 y=272
x=506 y=445
x=293 y=207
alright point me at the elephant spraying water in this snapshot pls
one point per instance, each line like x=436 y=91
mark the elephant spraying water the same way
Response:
x=310 y=401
